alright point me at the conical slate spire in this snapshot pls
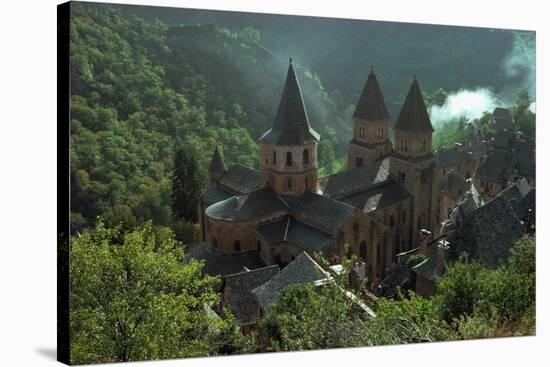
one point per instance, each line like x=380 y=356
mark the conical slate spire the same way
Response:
x=414 y=116
x=216 y=164
x=291 y=125
x=371 y=106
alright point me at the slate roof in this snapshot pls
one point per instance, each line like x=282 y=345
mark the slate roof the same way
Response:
x=504 y=139
x=321 y=211
x=377 y=198
x=292 y=231
x=503 y=119
x=521 y=197
x=371 y=105
x=300 y=271
x=247 y=206
x=454 y=186
x=240 y=179
x=354 y=180
x=414 y=116
x=486 y=233
x=216 y=164
x=496 y=168
x=237 y=291
x=216 y=264
x=525 y=158
x=291 y=124
x=447 y=157
x=214 y=195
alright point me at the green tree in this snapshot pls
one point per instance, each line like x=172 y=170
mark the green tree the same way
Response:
x=185 y=187
x=132 y=299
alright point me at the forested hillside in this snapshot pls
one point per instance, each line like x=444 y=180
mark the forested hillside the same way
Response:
x=141 y=89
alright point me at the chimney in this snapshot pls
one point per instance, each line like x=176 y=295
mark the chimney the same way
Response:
x=442 y=254
x=424 y=239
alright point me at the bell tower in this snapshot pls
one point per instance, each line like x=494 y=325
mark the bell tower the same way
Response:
x=289 y=149
x=412 y=160
x=370 y=140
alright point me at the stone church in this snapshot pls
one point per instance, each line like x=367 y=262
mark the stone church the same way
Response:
x=377 y=206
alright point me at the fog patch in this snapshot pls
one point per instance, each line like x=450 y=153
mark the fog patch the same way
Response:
x=469 y=104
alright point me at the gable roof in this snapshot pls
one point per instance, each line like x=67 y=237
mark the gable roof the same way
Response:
x=496 y=167
x=295 y=232
x=371 y=106
x=247 y=206
x=214 y=195
x=291 y=124
x=414 y=116
x=454 y=186
x=447 y=157
x=240 y=179
x=237 y=292
x=300 y=271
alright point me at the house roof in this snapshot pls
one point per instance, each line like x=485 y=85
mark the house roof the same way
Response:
x=414 y=116
x=447 y=157
x=291 y=124
x=296 y=232
x=371 y=105
x=240 y=179
x=502 y=113
x=300 y=271
x=237 y=292
x=247 y=206
x=378 y=197
x=321 y=211
x=216 y=264
x=521 y=197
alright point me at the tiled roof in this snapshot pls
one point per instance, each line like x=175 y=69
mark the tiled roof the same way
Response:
x=291 y=124
x=240 y=179
x=447 y=157
x=354 y=180
x=502 y=113
x=371 y=106
x=454 y=186
x=321 y=211
x=237 y=292
x=300 y=271
x=298 y=233
x=377 y=198
x=216 y=264
x=247 y=206
x=214 y=195
x=496 y=168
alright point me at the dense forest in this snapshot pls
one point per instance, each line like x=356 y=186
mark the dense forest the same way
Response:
x=140 y=89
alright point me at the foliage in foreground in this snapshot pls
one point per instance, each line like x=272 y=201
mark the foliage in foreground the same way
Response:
x=132 y=299
x=471 y=302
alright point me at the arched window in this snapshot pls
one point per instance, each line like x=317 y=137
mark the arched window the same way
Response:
x=355 y=227
x=274 y=157
x=363 y=250
x=358 y=162
x=237 y=246
x=305 y=157
x=289 y=183
x=259 y=246
x=307 y=182
x=392 y=221
x=288 y=159
x=215 y=242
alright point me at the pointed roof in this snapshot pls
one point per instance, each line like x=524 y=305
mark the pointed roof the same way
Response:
x=414 y=116
x=371 y=106
x=291 y=125
x=216 y=164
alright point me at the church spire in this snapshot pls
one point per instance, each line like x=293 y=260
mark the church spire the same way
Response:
x=371 y=105
x=217 y=166
x=291 y=124
x=414 y=116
